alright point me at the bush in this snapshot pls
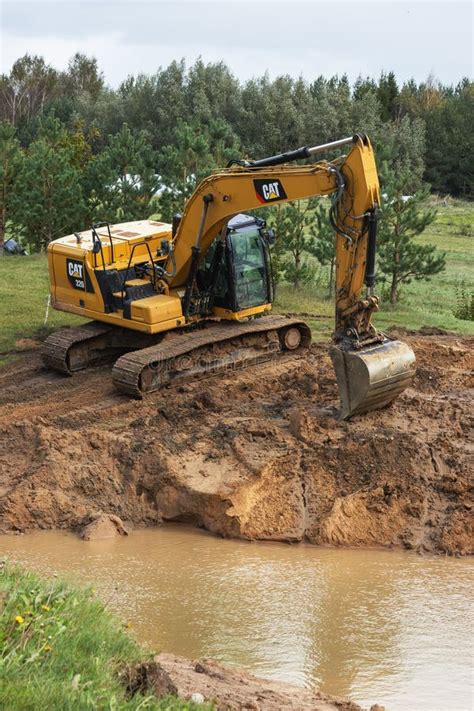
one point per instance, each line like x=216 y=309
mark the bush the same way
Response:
x=464 y=308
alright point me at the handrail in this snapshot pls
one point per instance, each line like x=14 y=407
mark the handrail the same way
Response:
x=96 y=238
x=104 y=224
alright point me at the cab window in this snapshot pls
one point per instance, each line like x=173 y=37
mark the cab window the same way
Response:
x=249 y=268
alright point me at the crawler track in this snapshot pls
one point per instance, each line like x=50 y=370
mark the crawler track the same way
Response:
x=72 y=349
x=75 y=348
x=153 y=361
x=220 y=346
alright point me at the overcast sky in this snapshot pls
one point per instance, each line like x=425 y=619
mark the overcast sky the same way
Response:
x=309 y=38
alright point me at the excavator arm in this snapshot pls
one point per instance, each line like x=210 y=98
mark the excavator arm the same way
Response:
x=371 y=368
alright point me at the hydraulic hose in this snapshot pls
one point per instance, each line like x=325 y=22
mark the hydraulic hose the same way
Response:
x=297 y=154
x=195 y=253
x=369 y=278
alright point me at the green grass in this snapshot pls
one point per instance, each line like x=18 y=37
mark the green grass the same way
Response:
x=23 y=298
x=422 y=303
x=61 y=649
x=24 y=288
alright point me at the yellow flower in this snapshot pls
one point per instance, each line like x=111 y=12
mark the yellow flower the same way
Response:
x=47 y=648
x=46 y=607
x=19 y=619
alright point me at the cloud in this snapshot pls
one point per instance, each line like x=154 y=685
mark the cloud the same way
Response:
x=281 y=38
x=147 y=58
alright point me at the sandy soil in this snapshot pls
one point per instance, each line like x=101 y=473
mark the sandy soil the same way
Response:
x=233 y=689
x=258 y=453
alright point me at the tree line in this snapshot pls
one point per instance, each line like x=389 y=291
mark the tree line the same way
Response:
x=74 y=151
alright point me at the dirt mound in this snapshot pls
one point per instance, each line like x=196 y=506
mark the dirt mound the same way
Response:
x=258 y=453
x=232 y=689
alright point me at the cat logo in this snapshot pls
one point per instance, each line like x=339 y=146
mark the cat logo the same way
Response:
x=75 y=269
x=78 y=276
x=269 y=191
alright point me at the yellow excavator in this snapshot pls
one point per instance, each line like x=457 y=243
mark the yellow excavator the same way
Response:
x=172 y=302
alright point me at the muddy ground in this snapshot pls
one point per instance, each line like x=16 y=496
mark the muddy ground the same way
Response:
x=258 y=453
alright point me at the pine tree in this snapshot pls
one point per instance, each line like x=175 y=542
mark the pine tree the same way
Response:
x=323 y=245
x=48 y=194
x=123 y=180
x=450 y=141
x=294 y=241
x=195 y=152
x=10 y=163
x=400 y=147
x=363 y=87
x=276 y=220
x=403 y=218
x=387 y=94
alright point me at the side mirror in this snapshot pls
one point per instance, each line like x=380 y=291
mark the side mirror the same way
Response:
x=270 y=236
x=96 y=247
x=164 y=249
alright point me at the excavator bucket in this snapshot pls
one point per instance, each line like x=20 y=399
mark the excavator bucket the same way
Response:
x=372 y=377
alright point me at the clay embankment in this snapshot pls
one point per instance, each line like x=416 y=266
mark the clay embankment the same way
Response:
x=255 y=454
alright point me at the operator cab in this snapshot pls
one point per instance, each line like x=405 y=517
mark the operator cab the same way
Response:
x=237 y=274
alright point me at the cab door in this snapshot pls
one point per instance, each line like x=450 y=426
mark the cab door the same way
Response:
x=249 y=267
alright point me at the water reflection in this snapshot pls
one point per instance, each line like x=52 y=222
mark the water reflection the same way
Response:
x=386 y=627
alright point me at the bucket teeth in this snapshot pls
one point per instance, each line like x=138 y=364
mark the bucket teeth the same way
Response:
x=370 y=378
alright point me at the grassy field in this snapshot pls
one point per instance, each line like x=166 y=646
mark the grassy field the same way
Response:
x=61 y=649
x=24 y=289
x=23 y=298
x=422 y=303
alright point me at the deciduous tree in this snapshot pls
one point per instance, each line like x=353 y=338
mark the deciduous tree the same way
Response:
x=83 y=77
x=27 y=89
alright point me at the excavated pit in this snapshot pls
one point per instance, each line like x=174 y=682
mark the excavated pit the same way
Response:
x=259 y=453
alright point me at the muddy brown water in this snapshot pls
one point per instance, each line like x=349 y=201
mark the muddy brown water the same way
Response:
x=386 y=627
